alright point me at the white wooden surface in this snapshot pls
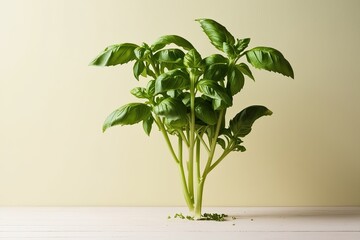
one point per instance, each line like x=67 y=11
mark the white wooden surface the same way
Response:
x=107 y=223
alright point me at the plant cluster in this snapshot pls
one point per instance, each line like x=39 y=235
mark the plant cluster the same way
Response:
x=186 y=97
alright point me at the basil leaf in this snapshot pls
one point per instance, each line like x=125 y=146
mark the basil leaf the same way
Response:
x=245 y=70
x=147 y=125
x=235 y=80
x=115 y=54
x=139 y=92
x=216 y=72
x=138 y=69
x=170 y=108
x=141 y=53
x=171 y=80
x=127 y=115
x=221 y=142
x=150 y=87
x=192 y=59
x=169 y=55
x=214 y=91
x=171 y=39
x=217 y=33
x=241 y=124
x=229 y=50
x=205 y=112
x=241 y=44
x=174 y=111
x=269 y=59
x=215 y=58
x=218 y=104
x=239 y=148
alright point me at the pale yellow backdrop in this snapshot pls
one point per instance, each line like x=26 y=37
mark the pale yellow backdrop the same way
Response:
x=52 y=104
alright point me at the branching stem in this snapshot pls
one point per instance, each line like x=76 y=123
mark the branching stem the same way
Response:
x=199 y=137
x=168 y=142
x=213 y=144
x=182 y=135
x=193 y=79
x=223 y=155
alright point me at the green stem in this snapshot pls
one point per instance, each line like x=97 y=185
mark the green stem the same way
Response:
x=213 y=144
x=191 y=135
x=187 y=197
x=201 y=182
x=163 y=131
x=183 y=137
x=199 y=194
x=223 y=155
x=198 y=170
x=199 y=137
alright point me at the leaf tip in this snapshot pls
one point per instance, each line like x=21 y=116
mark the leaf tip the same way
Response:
x=94 y=62
x=292 y=75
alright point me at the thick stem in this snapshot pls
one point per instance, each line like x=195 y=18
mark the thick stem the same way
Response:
x=191 y=136
x=200 y=186
x=198 y=169
x=187 y=197
x=198 y=203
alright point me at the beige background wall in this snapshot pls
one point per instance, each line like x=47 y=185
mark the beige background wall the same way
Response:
x=52 y=104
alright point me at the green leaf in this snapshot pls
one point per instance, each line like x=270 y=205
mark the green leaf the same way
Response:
x=229 y=50
x=241 y=45
x=240 y=148
x=141 y=53
x=173 y=110
x=116 y=54
x=150 y=87
x=172 y=55
x=205 y=112
x=170 y=108
x=186 y=98
x=245 y=70
x=217 y=33
x=149 y=72
x=127 y=115
x=138 y=69
x=192 y=59
x=171 y=80
x=213 y=90
x=269 y=59
x=241 y=124
x=216 y=72
x=139 y=92
x=235 y=80
x=215 y=58
x=147 y=125
x=218 y=104
x=171 y=39
x=170 y=66
x=221 y=142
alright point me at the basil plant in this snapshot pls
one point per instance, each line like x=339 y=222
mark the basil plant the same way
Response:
x=186 y=97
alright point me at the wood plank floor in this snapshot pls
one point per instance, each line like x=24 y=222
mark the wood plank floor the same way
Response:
x=105 y=223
